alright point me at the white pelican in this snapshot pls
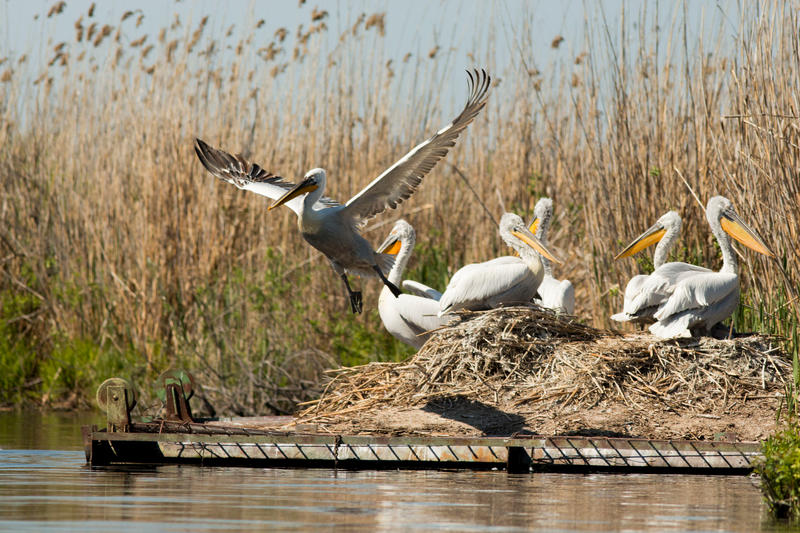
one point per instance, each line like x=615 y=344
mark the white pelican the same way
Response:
x=554 y=294
x=704 y=299
x=644 y=293
x=407 y=317
x=332 y=228
x=502 y=281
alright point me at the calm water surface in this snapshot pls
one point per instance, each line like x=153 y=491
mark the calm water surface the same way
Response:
x=45 y=483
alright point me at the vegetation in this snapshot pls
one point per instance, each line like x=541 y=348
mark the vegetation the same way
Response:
x=780 y=473
x=120 y=255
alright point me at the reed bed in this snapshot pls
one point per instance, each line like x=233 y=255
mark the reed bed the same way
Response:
x=119 y=254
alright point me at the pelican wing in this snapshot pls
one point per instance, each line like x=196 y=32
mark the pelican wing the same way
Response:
x=400 y=180
x=248 y=176
x=480 y=285
x=657 y=288
x=682 y=323
x=421 y=314
x=420 y=289
x=556 y=295
x=704 y=290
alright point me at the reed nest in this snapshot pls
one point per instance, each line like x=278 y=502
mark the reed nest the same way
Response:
x=519 y=358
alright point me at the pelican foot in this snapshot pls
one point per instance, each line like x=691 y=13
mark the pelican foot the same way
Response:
x=356 y=303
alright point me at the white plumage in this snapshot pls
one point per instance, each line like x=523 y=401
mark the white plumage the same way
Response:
x=332 y=228
x=407 y=317
x=644 y=293
x=558 y=295
x=702 y=300
x=503 y=281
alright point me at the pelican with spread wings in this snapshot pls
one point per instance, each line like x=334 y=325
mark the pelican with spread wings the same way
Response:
x=701 y=300
x=332 y=228
x=644 y=293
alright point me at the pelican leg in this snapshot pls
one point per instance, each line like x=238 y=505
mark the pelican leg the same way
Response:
x=355 y=296
x=392 y=286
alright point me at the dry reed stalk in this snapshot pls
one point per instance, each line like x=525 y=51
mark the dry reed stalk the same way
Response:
x=108 y=219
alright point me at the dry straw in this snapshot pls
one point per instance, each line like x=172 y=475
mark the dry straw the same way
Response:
x=529 y=358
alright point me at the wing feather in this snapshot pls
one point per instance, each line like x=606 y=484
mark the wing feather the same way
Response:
x=420 y=289
x=249 y=176
x=699 y=291
x=479 y=284
x=400 y=180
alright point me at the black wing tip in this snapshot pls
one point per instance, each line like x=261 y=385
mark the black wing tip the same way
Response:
x=202 y=150
x=478 y=84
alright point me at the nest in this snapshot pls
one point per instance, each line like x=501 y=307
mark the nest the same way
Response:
x=526 y=357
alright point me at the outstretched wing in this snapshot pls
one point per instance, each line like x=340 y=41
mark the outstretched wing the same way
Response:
x=400 y=180
x=248 y=176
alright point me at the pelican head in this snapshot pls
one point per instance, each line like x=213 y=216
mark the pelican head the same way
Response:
x=312 y=181
x=669 y=223
x=402 y=234
x=720 y=213
x=542 y=213
x=518 y=236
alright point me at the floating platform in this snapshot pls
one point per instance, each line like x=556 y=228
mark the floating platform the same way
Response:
x=216 y=444
x=178 y=438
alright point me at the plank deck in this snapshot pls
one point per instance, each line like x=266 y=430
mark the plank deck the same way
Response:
x=231 y=442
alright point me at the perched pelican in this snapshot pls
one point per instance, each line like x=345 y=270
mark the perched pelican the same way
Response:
x=644 y=293
x=407 y=317
x=554 y=294
x=332 y=228
x=505 y=280
x=704 y=299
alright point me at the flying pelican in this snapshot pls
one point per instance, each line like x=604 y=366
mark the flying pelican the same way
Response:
x=704 y=299
x=504 y=280
x=332 y=228
x=644 y=293
x=407 y=317
x=556 y=295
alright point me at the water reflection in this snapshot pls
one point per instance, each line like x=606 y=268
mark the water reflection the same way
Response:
x=45 y=431
x=55 y=490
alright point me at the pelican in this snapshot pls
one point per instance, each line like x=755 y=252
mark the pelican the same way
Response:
x=501 y=281
x=644 y=293
x=556 y=295
x=407 y=317
x=704 y=299
x=332 y=228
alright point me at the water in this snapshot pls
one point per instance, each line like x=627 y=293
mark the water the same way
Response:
x=45 y=483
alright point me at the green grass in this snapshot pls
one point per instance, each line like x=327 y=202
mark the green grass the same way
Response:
x=780 y=473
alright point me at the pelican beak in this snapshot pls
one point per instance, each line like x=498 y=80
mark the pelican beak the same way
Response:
x=307 y=185
x=653 y=234
x=390 y=246
x=736 y=228
x=530 y=239
x=534 y=225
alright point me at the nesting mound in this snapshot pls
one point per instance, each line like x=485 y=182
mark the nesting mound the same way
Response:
x=525 y=368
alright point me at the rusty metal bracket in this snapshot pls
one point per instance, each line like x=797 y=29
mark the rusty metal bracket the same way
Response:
x=175 y=388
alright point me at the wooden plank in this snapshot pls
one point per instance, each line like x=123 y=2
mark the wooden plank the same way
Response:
x=232 y=445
